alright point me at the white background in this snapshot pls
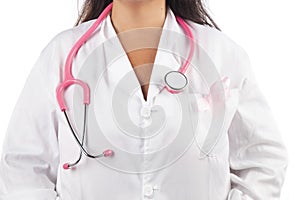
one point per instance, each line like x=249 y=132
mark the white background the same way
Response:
x=268 y=30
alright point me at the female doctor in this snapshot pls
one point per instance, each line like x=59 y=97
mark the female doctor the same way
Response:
x=188 y=123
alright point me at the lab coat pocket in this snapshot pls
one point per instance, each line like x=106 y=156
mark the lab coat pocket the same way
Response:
x=212 y=124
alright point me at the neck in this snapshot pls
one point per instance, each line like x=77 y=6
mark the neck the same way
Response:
x=132 y=14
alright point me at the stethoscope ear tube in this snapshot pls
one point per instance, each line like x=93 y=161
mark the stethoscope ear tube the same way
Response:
x=105 y=153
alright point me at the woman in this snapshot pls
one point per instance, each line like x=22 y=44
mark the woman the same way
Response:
x=152 y=149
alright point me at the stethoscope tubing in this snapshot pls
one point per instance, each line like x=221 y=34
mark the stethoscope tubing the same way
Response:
x=70 y=80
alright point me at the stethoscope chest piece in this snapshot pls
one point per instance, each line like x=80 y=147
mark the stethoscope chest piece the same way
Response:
x=176 y=80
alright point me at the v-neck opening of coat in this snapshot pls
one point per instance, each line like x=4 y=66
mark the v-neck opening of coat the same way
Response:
x=153 y=89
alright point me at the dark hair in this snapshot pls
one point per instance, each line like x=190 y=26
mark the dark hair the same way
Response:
x=193 y=10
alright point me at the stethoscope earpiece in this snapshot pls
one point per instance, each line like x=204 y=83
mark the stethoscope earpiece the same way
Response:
x=66 y=166
x=106 y=153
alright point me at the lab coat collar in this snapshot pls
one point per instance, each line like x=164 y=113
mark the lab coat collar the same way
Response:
x=163 y=58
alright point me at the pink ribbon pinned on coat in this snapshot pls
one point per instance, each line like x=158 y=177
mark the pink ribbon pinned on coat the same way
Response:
x=204 y=103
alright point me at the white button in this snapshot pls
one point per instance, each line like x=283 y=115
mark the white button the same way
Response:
x=146 y=111
x=145 y=123
x=148 y=190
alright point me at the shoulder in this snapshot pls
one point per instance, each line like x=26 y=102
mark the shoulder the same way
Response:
x=210 y=37
x=229 y=57
x=66 y=38
x=60 y=44
x=54 y=54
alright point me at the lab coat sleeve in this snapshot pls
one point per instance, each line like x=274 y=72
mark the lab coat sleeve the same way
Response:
x=30 y=155
x=258 y=156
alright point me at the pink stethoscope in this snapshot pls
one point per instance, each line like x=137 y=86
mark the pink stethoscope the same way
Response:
x=175 y=81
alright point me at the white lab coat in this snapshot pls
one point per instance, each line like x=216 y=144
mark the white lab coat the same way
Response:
x=246 y=161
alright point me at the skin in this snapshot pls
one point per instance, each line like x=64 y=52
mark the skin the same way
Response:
x=128 y=15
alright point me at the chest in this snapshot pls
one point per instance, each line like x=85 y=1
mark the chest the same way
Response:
x=142 y=63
